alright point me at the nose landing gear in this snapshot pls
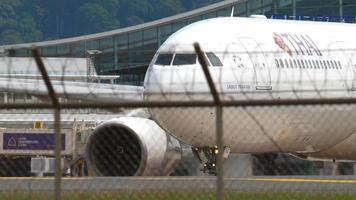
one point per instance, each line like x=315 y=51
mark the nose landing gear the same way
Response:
x=207 y=157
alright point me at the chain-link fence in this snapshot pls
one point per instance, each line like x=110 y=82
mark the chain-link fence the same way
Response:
x=202 y=139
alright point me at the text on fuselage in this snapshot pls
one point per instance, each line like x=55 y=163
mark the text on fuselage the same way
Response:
x=301 y=44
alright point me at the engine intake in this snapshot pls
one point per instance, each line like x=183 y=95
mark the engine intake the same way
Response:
x=131 y=146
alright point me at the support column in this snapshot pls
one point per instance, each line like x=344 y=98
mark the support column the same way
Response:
x=5 y=97
x=294 y=7
x=247 y=9
x=275 y=6
x=341 y=10
x=115 y=53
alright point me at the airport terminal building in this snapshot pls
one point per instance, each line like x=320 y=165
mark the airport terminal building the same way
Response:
x=128 y=51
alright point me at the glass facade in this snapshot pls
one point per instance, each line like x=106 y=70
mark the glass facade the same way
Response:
x=127 y=52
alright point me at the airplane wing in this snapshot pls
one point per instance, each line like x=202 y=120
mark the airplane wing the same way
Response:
x=71 y=89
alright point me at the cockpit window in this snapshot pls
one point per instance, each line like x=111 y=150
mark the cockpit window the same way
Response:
x=185 y=59
x=214 y=60
x=164 y=59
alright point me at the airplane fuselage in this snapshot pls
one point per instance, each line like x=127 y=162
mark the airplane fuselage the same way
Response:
x=260 y=59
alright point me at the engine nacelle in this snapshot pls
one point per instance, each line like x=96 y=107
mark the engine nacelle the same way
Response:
x=132 y=146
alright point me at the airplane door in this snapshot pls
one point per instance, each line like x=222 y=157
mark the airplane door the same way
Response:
x=259 y=62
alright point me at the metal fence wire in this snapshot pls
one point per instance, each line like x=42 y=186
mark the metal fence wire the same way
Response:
x=60 y=141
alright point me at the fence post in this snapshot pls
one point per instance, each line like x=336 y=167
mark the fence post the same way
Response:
x=218 y=125
x=57 y=122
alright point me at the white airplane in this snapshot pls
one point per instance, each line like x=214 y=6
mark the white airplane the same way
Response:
x=249 y=59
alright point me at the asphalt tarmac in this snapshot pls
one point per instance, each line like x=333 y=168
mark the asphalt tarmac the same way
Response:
x=340 y=184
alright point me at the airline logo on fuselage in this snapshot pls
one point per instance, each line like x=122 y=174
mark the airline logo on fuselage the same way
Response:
x=298 y=44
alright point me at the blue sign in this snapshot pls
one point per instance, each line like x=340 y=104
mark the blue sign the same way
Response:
x=323 y=18
x=30 y=141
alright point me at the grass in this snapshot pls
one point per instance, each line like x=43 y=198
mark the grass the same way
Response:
x=178 y=195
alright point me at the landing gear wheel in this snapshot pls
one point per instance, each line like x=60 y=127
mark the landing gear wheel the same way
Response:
x=207 y=156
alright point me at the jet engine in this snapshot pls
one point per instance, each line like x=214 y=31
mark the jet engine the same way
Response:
x=131 y=146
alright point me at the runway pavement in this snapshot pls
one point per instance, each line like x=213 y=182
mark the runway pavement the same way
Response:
x=341 y=184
